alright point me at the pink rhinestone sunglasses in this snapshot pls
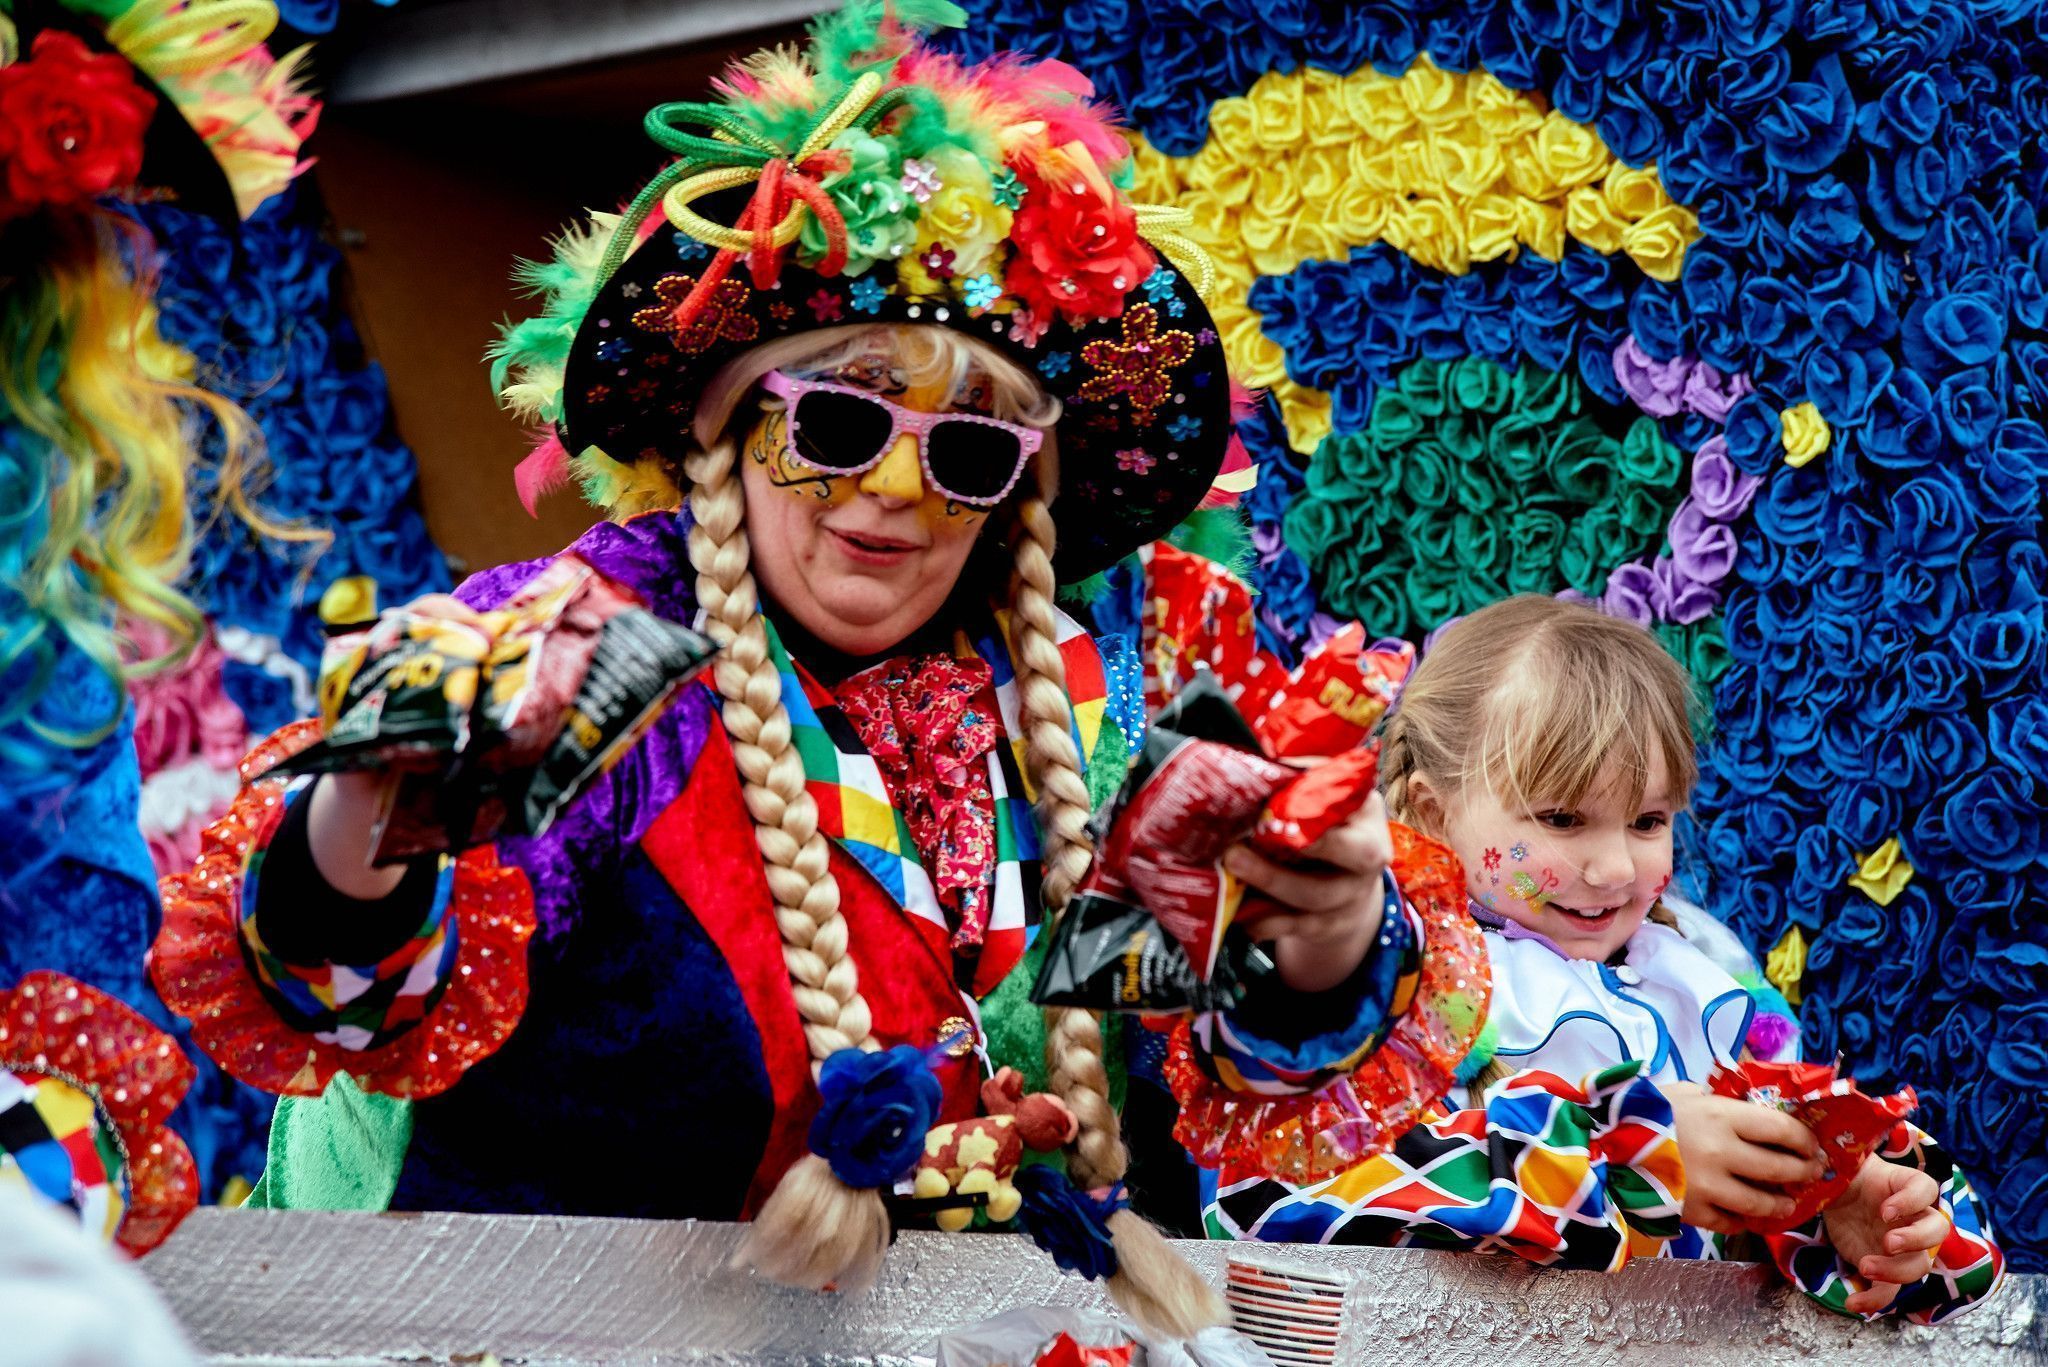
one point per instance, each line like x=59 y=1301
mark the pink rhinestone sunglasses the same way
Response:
x=847 y=431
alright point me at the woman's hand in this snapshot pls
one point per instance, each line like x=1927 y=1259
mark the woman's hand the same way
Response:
x=1736 y=1156
x=345 y=805
x=1888 y=1226
x=1323 y=915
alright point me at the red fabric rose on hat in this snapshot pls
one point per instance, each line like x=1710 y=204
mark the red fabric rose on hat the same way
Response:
x=71 y=125
x=1078 y=249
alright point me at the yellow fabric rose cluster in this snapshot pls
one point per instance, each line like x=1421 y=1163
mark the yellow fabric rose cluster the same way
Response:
x=1449 y=168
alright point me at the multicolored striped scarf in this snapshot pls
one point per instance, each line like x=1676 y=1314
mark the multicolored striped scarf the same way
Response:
x=856 y=809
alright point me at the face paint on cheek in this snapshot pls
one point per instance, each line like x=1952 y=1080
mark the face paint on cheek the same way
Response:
x=1661 y=886
x=942 y=516
x=1518 y=852
x=1532 y=890
x=767 y=448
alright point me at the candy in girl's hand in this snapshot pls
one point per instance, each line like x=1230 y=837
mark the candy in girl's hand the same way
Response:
x=1848 y=1124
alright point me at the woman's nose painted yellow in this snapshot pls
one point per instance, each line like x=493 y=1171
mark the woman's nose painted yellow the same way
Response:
x=900 y=476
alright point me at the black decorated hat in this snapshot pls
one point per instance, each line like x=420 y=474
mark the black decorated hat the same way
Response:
x=871 y=179
x=1146 y=398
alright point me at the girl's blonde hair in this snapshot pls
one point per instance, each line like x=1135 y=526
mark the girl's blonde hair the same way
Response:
x=1536 y=699
x=814 y=1230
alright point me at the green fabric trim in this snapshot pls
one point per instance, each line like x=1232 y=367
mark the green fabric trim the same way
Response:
x=1108 y=765
x=341 y=1150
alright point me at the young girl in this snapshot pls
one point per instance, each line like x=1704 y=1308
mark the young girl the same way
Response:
x=1549 y=747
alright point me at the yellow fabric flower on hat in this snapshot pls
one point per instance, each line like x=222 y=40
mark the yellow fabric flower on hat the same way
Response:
x=962 y=218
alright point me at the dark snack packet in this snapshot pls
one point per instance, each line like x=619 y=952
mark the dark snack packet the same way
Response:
x=497 y=728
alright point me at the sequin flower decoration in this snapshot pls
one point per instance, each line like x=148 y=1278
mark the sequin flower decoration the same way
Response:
x=920 y=180
x=867 y=294
x=981 y=291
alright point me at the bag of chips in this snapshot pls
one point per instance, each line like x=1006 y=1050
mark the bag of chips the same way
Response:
x=1334 y=702
x=1159 y=925
x=495 y=726
x=1848 y=1124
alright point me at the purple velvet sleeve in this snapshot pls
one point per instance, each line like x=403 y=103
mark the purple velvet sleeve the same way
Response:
x=578 y=856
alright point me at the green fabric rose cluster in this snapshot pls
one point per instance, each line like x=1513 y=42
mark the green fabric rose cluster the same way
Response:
x=1472 y=482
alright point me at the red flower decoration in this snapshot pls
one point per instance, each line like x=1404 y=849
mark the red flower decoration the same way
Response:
x=53 y=1026
x=71 y=125
x=1078 y=251
x=1491 y=859
x=938 y=262
x=1138 y=367
x=826 y=307
x=724 y=316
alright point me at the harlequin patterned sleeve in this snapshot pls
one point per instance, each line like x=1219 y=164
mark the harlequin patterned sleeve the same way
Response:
x=1583 y=1176
x=408 y=1022
x=1967 y=1267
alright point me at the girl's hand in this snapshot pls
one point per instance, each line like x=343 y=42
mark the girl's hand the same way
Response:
x=1736 y=1156
x=1888 y=1226
x=1323 y=914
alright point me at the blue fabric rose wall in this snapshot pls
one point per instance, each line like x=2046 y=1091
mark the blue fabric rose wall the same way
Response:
x=258 y=308
x=1731 y=315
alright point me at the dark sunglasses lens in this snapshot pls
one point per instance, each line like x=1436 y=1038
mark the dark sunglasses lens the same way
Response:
x=972 y=460
x=839 y=431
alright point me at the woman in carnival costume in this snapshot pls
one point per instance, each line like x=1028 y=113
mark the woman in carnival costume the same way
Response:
x=938 y=365
x=101 y=424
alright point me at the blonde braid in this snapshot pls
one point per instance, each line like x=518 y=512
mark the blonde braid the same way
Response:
x=1152 y=1283
x=814 y=1230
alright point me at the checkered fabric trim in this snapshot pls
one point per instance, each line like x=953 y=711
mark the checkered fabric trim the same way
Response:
x=355 y=1006
x=856 y=810
x=1967 y=1267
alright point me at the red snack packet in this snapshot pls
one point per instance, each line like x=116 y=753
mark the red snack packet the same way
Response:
x=1331 y=704
x=1315 y=802
x=1064 y=1351
x=1168 y=847
x=1198 y=616
x=1848 y=1124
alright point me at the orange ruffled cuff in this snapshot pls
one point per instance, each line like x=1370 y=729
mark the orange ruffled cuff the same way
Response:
x=60 y=1028
x=201 y=972
x=1306 y=1138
